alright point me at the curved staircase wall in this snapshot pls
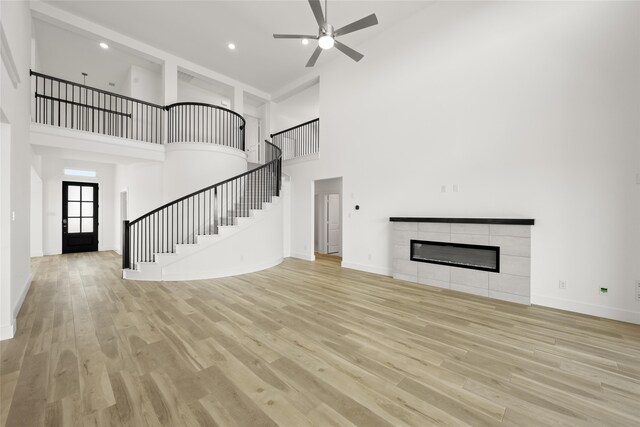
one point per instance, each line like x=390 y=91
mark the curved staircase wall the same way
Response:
x=250 y=247
x=190 y=166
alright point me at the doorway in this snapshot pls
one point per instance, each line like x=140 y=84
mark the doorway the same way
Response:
x=328 y=218
x=253 y=134
x=79 y=217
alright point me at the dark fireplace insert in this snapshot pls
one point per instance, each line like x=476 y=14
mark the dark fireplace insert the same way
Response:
x=476 y=257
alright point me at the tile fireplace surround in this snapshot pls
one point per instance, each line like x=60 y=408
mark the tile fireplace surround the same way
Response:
x=512 y=236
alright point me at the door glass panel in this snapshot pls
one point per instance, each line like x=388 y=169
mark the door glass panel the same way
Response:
x=87 y=194
x=74 y=225
x=87 y=209
x=87 y=225
x=74 y=192
x=73 y=209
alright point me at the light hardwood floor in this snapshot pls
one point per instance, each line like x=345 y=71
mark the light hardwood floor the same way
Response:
x=303 y=344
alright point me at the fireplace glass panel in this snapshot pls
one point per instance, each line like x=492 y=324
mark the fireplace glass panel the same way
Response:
x=476 y=257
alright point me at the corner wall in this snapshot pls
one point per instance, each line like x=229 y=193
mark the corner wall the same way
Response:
x=14 y=104
x=530 y=109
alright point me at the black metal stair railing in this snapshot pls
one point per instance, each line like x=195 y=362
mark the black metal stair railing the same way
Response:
x=298 y=141
x=202 y=212
x=72 y=105
x=205 y=123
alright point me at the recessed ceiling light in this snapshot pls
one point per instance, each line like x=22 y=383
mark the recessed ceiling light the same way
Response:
x=232 y=46
x=104 y=45
x=305 y=41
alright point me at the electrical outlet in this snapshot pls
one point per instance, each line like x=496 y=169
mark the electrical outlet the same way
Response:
x=455 y=188
x=638 y=291
x=443 y=188
x=562 y=284
x=369 y=257
x=604 y=291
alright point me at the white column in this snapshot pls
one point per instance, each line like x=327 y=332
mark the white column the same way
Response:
x=238 y=100
x=169 y=89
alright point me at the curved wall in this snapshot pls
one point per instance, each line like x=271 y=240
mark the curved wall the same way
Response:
x=189 y=167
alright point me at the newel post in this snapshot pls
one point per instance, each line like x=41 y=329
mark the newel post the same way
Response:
x=126 y=259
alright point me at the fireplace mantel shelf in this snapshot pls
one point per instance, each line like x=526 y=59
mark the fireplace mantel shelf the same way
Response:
x=505 y=221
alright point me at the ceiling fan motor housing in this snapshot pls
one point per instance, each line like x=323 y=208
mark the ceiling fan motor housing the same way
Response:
x=326 y=30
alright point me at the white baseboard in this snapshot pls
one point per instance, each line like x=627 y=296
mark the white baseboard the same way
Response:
x=37 y=254
x=303 y=256
x=9 y=331
x=23 y=295
x=368 y=268
x=586 y=308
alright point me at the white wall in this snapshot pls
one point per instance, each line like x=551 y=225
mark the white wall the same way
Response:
x=15 y=116
x=297 y=109
x=144 y=84
x=191 y=167
x=191 y=93
x=530 y=108
x=52 y=177
x=36 y=214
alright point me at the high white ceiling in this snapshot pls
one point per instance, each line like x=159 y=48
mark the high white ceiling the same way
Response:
x=82 y=54
x=200 y=31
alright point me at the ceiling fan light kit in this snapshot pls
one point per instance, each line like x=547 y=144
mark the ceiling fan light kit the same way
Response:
x=327 y=35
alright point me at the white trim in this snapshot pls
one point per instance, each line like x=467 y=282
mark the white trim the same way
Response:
x=23 y=295
x=586 y=308
x=7 y=58
x=78 y=139
x=368 y=268
x=9 y=331
x=218 y=273
x=200 y=146
x=303 y=256
x=37 y=254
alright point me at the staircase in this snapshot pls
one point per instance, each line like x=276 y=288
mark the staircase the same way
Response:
x=229 y=228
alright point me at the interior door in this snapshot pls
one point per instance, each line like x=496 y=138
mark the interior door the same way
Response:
x=252 y=139
x=79 y=217
x=333 y=223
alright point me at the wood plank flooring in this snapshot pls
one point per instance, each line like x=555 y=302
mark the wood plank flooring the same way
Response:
x=305 y=343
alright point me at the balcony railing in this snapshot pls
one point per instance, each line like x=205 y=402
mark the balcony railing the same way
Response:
x=298 y=141
x=71 y=105
x=205 y=123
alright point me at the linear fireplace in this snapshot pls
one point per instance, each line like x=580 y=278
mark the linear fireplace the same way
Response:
x=476 y=257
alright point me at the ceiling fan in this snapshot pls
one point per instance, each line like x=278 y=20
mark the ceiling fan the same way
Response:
x=327 y=35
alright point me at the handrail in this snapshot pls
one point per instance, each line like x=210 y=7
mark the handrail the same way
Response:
x=298 y=141
x=201 y=212
x=63 y=103
x=195 y=193
x=205 y=123
x=204 y=104
x=295 y=127
x=106 y=92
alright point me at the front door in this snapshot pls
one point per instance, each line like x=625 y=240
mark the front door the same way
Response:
x=79 y=217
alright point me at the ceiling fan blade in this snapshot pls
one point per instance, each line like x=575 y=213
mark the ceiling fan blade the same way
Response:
x=314 y=57
x=293 y=36
x=366 y=22
x=316 y=7
x=356 y=56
